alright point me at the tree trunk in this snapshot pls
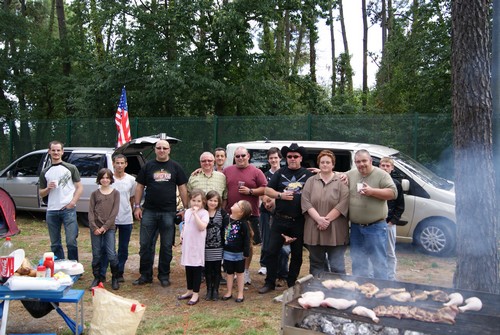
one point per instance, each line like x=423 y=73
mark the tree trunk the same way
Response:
x=97 y=30
x=365 y=54
x=61 y=20
x=383 y=25
x=348 y=79
x=476 y=206
x=298 y=49
x=332 y=41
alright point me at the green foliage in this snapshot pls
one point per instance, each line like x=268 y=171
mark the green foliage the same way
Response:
x=416 y=73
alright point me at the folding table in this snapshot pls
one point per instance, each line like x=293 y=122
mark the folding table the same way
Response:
x=63 y=295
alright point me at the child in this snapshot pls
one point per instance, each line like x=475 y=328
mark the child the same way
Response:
x=237 y=247
x=103 y=208
x=214 y=244
x=193 y=244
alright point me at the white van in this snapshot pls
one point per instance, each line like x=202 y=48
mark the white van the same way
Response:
x=429 y=199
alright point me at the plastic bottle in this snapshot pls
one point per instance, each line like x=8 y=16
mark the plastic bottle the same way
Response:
x=41 y=271
x=6 y=260
x=49 y=266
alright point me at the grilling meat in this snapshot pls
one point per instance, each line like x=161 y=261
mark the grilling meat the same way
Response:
x=472 y=304
x=417 y=295
x=385 y=292
x=444 y=315
x=438 y=295
x=368 y=289
x=363 y=311
x=311 y=299
x=401 y=297
x=455 y=299
x=338 y=303
x=339 y=283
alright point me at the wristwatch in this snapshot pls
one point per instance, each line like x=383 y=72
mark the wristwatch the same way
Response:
x=137 y=206
x=250 y=191
x=279 y=195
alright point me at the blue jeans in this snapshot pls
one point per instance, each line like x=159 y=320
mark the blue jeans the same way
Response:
x=55 y=219
x=369 y=244
x=124 y=233
x=154 y=222
x=103 y=243
x=283 y=262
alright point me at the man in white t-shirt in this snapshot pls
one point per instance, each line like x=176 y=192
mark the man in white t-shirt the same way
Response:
x=60 y=182
x=125 y=184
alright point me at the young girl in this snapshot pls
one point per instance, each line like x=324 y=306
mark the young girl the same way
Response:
x=103 y=208
x=214 y=244
x=193 y=244
x=237 y=247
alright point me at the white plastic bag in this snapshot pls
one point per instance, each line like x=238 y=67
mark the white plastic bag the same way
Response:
x=23 y=283
x=114 y=315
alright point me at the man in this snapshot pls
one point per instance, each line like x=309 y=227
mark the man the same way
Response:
x=208 y=179
x=274 y=158
x=395 y=210
x=269 y=205
x=220 y=158
x=125 y=184
x=286 y=186
x=245 y=182
x=61 y=183
x=161 y=177
x=369 y=190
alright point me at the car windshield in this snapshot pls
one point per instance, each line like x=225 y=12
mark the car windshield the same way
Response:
x=418 y=169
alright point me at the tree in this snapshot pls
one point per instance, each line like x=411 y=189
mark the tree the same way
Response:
x=476 y=206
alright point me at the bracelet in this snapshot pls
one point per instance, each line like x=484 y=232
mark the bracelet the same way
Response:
x=137 y=206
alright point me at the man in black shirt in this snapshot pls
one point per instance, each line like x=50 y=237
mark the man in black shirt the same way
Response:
x=286 y=187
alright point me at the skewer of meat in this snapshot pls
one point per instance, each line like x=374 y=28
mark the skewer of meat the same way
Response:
x=443 y=315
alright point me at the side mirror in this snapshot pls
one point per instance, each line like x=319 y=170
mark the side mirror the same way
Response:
x=10 y=174
x=405 y=184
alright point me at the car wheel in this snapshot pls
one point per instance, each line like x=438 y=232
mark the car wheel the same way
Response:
x=436 y=237
x=83 y=219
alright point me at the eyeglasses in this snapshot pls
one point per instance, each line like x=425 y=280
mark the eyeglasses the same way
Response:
x=240 y=156
x=207 y=161
x=293 y=156
x=161 y=148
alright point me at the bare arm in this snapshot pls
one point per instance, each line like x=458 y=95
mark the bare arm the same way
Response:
x=184 y=195
x=379 y=193
x=139 y=191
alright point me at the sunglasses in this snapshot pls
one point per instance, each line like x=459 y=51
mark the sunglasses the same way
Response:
x=161 y=148
x=293 y=156
x=207 y=161
x=240 y=156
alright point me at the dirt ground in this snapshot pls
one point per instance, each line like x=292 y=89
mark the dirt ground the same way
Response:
x=166 y=315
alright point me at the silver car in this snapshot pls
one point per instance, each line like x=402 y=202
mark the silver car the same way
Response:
x=20 y=178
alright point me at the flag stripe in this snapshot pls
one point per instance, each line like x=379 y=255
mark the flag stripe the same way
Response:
x=121 y=120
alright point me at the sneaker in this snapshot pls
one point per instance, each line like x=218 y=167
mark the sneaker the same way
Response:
x=248 y=281
x=263 y=271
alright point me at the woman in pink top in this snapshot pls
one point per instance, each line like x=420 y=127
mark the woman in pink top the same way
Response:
x=193 y=244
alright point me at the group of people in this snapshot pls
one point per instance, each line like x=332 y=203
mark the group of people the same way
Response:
x=228 y=211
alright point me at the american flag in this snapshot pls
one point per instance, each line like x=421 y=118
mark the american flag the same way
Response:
x=121 y=120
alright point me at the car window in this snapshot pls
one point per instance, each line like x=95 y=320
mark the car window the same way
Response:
x=87 y=163
x=28 y=166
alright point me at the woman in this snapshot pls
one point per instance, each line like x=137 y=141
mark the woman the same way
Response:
x=325 y=203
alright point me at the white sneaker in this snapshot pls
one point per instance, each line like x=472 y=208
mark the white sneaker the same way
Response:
x=263 y=271
x=248 y=281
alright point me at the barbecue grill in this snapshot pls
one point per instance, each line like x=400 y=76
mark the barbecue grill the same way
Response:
x=486 y=321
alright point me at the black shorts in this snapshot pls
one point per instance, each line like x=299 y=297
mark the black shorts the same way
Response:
x=231 y=267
